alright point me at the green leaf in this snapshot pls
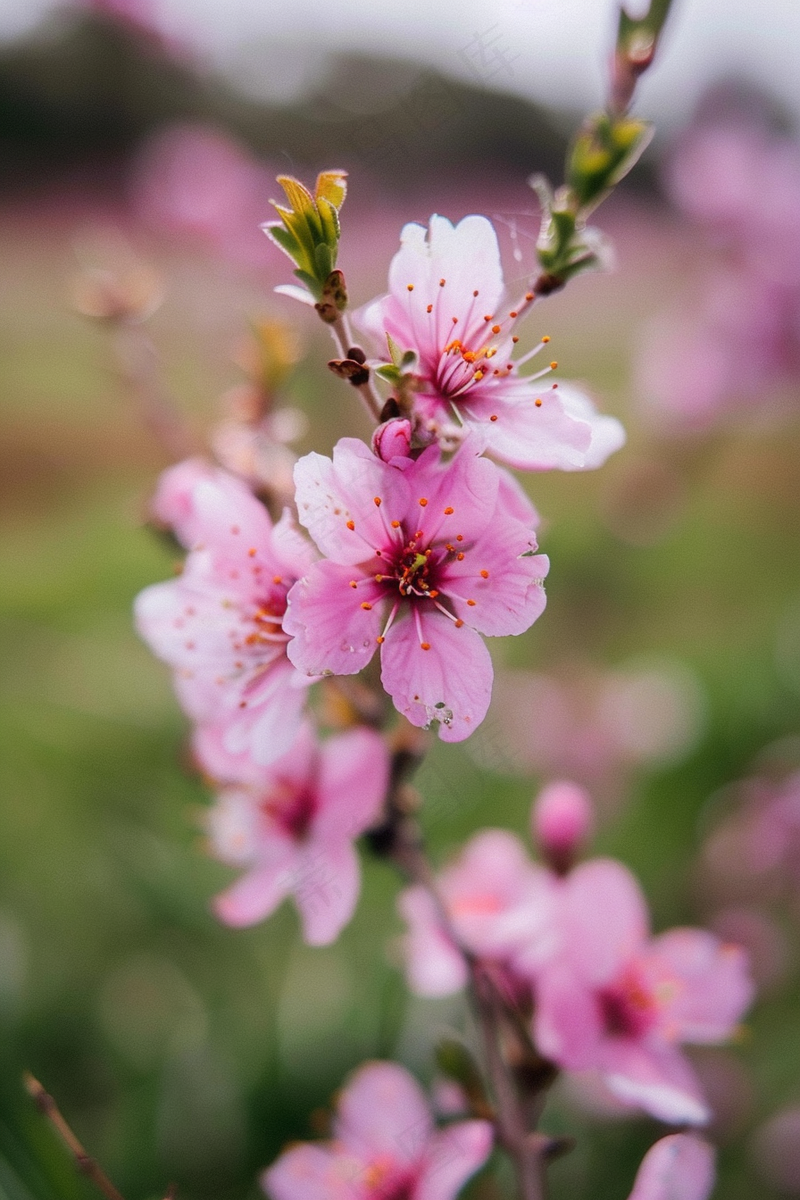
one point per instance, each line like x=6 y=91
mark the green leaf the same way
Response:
x=281 y=236
x=323 y=260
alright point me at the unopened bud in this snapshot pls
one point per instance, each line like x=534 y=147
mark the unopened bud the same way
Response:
x=392 y=439
x=562 y=822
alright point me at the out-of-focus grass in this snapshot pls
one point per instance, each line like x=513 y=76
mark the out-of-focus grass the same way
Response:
x=183 y=1051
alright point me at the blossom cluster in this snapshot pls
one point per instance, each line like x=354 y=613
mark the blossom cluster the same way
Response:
x=571 y=946
x=409 y=551
x=386 y=1146
x=417 y=547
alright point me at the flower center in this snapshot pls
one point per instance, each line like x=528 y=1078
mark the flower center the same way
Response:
x=385 y=1181
x=290 y=807
x=628 y=1007
x=413 y=569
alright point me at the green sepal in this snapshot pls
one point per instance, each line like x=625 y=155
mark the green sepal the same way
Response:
x=455 y=1061
x=390 y=373
x=395 y=352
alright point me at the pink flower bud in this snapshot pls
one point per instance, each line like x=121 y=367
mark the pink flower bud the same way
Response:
x=562 y=821
x=392 y=439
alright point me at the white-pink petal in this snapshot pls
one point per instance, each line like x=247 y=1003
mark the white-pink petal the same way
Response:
x=383 y=1113
x=309 y=1172
x=452 y=1156
x=434 y=965
x=703 y=984
x=332 y=632
x=353 y=777
x=678 y=1167
x=325 y=881
x=655 y=1077
x=258 y=893
x=334 y=494
x=606 y=922
x=450 y=683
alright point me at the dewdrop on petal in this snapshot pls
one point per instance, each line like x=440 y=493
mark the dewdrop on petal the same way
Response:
x=562 y=820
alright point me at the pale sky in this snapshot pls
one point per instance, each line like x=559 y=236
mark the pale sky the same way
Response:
x=550 y=50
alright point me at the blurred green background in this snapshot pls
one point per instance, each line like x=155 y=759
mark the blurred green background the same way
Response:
x=181 y=1051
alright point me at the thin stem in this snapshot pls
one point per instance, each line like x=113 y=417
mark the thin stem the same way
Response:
x=511 y=1125
x=367 y=392
x=83 y=1161
x=407 y=850
x=139 y=373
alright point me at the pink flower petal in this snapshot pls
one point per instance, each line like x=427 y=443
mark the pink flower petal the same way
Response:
x=703 y=985
x=608 y=434
x=383 y=1113
x=460 y=495
x=466 y=256
x=353 y=778
x=326 y=881
x=679 y=1167
x=500 y=577
x=293 y=552
x=333 y=494
x=434 y=967
x=308 y=1172
x=258 y=893
x=527 y=436
x=229 y=519
x=268 y=725
x=451 y=1157
x=567 y=1025
x=657 y=1078
x=450 y=683
x=173 y=502
x=606 y=919
x=514 y=500
x=498 y=901
x=332 y=634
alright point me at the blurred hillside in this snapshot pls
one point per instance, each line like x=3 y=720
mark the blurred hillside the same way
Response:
x=85 y=89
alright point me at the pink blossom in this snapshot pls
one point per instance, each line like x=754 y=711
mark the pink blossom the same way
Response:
x=678 y=1167
x=754 y=853
x=219 y=625
x=173 y=503
x=498 y=905
x=421 y=558
x=385 y=1147
x=616 y=1000
x=197 y=181
x=447 y=303
x=293 y=832
x=740 y=337
x=562 y=822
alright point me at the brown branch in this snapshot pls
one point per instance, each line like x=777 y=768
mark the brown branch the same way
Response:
x=83 y=1161
x=400 y=839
